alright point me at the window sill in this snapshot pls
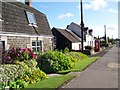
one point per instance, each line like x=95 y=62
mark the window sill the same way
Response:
x=33 y=25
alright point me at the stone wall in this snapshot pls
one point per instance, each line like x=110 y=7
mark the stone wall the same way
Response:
x=17 y=41
x=47 y=44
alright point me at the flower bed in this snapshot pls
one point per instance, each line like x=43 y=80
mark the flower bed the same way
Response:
x=25 y=60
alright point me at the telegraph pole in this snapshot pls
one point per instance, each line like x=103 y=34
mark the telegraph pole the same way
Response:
x=105 y=33
x=82 y=26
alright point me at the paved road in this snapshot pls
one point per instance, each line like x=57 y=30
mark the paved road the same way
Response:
x=101 y=74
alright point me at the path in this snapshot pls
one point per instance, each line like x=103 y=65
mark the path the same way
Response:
x=101 y=74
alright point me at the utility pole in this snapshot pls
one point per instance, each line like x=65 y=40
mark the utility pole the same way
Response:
x=82 y=26
x=105 y=33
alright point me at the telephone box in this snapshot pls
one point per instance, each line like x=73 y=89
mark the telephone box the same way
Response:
x=97 y=45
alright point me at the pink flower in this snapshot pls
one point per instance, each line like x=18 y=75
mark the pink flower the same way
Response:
x=20 y=49
x=8 y=58
x=18 y=54
x=4 y=52
x=14 y=49
x=24 y=49
x=29 y=49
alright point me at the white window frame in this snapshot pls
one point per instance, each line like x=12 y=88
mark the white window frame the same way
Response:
x=37 y=46
x=31 y=19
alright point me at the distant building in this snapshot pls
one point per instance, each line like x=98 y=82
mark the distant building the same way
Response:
x=65 y=38
x=87 y=34
x=71 y=37
x=24 y=26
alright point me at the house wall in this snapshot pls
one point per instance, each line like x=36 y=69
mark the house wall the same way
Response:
x=17 y=42
x=61 y=42
x=26 y=41
x=89 y=41
x=76 y=46
x=48 y=44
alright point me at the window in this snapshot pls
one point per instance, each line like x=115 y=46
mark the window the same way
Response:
x=37 y=46
x=90 y=43
x=31 y=18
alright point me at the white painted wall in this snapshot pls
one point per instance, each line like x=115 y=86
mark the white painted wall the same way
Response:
x=89 y=40
x=76 y=46
x=77 y=29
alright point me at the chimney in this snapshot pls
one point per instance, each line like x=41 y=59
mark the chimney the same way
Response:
x=28 y=2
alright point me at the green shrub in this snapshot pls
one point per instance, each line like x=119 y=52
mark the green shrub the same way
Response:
x=88 y=47
x=66 y=50
x=22 y=74
x=76 y=56
x=53 y=61
x=32 y=73
x=18 y=83
x=23 y=59
x=87 y=52
x=10 y=71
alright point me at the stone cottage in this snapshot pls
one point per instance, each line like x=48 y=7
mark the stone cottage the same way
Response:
x=24 y=26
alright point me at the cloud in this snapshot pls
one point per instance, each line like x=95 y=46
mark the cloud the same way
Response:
x=113 y=10
x=96 y=5
x=111 y=30
x=67 y=15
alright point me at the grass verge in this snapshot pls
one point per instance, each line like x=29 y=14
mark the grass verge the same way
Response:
x=80 y=65
x=52 y=82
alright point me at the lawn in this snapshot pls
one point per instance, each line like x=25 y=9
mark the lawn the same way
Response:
x=56 y=81
x=81 y=65
x=51 y=82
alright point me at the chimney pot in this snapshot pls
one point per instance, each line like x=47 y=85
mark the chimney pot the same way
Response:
x=28 y=2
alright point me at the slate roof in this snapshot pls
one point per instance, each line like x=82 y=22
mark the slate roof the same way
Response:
x=15 y=19
x=67 y=35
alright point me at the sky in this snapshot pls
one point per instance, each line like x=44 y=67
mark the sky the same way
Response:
x=96 y=14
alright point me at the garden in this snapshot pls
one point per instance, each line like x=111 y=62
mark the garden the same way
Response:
x=21 y=68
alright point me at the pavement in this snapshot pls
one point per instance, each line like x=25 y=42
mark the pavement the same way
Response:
x=101 y=74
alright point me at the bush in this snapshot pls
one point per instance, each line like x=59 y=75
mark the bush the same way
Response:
x=24 y=59
x=22 y=74
x=32 y=73
x=17 y=54
x=10 y=72
x=53 y=61
x=87 y=52
x=76 y=56
x=88 y=47
x=66 y=50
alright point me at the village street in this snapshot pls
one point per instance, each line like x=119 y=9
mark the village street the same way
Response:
x=101 y=74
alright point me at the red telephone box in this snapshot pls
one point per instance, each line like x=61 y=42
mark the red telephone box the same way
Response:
x=97 y=45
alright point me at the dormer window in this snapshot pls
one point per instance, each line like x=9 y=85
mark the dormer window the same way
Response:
x=31 y=19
